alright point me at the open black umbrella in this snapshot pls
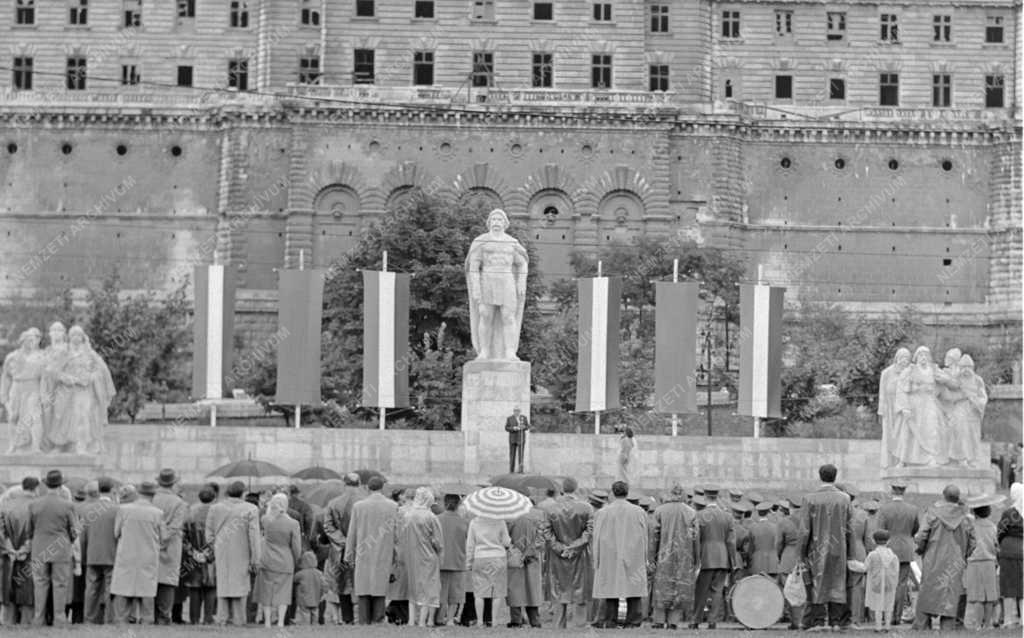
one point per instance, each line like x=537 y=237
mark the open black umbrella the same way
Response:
x=524 y=482
x=316 y=473
x=323 y=493
x=251 y=469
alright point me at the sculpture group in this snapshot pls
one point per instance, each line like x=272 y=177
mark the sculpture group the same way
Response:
x=931 y=416
x=56 y=398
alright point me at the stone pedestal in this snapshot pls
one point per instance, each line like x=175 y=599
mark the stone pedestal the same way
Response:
x=932 y=480
x=490 y=391
x=14 y=467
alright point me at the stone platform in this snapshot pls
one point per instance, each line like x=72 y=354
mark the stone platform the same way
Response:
x=774 y=465
x=932 y=480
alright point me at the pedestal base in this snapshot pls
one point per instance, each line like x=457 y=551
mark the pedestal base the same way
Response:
x=932 y=480
x=490 y=391
x=14 y=467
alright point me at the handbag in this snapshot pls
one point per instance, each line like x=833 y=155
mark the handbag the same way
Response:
x=515 y=557
x=794 y=590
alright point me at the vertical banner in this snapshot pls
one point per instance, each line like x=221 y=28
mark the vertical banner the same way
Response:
x=675 y=348
x=760 y=388
x=213 y=330
x=597 y=370
x=301 y=299
x=385 y=339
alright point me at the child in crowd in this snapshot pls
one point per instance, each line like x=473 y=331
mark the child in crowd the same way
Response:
x=309 y=589
x=980 y=578
x=883 y=570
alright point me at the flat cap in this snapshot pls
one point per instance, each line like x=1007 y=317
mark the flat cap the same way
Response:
x=740 y=506
x=754 y=497
x=764 y=507
x=870 y=506
x=711 y=490
x=898 y=484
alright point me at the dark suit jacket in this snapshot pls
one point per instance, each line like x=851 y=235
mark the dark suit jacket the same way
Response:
x=516 y=437
x=98 y=543
x=715 y=537
x=901 y=520
x=52 y=524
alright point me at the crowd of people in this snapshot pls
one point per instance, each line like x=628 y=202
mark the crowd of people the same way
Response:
x=141 y=554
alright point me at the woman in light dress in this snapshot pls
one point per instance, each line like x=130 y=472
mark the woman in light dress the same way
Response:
x=920 y=423
x=627 y=470
x=20 y=393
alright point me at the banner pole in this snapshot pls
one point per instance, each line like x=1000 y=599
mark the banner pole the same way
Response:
x=675 y=280
x=213 y=415
x=383 y=415
x=597 y=421
x=298 y=406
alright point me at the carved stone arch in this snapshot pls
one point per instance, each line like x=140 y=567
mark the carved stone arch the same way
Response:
x=550 y=206
x=338 y=173
x=337 y=202
x=398 y=185
x=549 y=179
x=620 y=208
x=624 y=179
x=480 y=182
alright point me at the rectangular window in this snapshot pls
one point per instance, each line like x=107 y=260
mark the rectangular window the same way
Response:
x=836 y=25
x=659 y=18
x=730 y=24
x=942 y=89
x=837 y=89
x=543 y=70
x=75 y=78
x=238 y=74
x=240 y=14
x=728 y=89
x=783 y=87
x=423 y=68
x=889 y=89
x=309 y=14
x=483 y=10
x=363 y=67
x=994 y=87
x=130 y=75
x=184 y=75
x=25 y=12
x=483 y=68
x=890 y=28
x=603 y=11
x=78 y=13
x=942 y=27
x=309 y=70
x=186 y=8
x=22 y=80
x=365 y=9
x=132 y=13
x=783 y=23
x=423 y=9
x=994 y=29
x=658 y=74
x=543 y=11
x=601 y=71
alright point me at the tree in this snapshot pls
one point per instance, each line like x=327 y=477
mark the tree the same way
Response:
x=140 y=338
x=429 y=239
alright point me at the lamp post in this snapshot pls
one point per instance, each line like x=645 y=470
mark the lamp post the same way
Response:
x=715 y=304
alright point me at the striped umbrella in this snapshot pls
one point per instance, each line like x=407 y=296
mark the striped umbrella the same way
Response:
x=498 y=502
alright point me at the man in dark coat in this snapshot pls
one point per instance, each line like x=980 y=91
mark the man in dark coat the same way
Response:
x=571 y=525
x=944 y=542
x=53 y=526
x=717 y=543
x=99 y=547
x=826 y=516
x=197 y=572
x=791 y=542
x=304 y=515
x=14 y=518
x=337 y=517
x=175 y=511
x=517 y=426
x=901 y=519
x=856 y=581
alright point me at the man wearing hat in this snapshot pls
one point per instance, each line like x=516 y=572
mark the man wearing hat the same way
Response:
x=741 y=534
x=620 y=558
x=673 y=556
x=870 y=508
x=764 y=541
x=598 y=498
x=99 y=547
x=53 y=527
x=454 y=529
x=337 y=516
x=900 y=519
x=517 y=426
x=139 y=530
x=233 y=527
x=174 y=514
x=716 y=544
x=735 y=495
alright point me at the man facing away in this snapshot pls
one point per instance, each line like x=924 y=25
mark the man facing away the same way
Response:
x=517 y=426
x=100 y=549
x=716 y=542
x=53 y=528
x=620 y=558
x=901 y=520
x=175 y=512
x=826 y=516
x=571 y=524
x=233 y=526
x=139 y=530
x=944 y=542
x=370 y=548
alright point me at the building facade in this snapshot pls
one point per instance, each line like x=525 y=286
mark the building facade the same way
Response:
x=858 y=152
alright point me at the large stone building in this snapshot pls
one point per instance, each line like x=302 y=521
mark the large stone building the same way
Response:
x=858 y=151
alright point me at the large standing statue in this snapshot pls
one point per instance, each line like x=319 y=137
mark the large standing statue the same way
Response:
x=920 y=435
x=964 y=417
x=496 y=269
x=19 y=393
x=83 y=393
x=53 y=356
x=887 y=389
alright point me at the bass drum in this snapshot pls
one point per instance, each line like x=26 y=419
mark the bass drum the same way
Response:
x=757 y=601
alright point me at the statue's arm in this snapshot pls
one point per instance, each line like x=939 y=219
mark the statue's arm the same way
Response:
x=473 y=263
x=522 y=263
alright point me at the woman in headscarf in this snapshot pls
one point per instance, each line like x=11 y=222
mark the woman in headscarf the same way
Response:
x=1010 y=534
x=920 y=422
x=84 y=391
x=282 y=548
x=420 y=547
x=20 y=393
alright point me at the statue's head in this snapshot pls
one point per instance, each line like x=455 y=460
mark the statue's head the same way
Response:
x=57 y=332
x=966 y=363
x=497 y=221
x=923 y=356
x=902 y=357
x=952 y=357
x=76 y=336
x=29 y=339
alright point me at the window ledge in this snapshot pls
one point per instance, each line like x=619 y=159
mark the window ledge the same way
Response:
x=482 y=21
x=657 y=34
x=730 y=41
x=25 y=27
x=415 y=20
x=845 y=42
x=602 y=23
x=538 y=22
x=890 y=43
x=365 y=19
x=943 y=45
x=77 y=27
x=994 y=45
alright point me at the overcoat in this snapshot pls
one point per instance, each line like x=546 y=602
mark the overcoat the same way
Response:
x=422 y=542
x=944 y=541
x=826 y=518
x=371 y=542
x=673 y=550
x=524 y=583
x=197 y=573
x=901 y=520
x=139 y=530
x=175 y=511
x=620 y=551
x=234 y=528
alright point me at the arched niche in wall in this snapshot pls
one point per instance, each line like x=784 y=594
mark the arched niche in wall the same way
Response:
x=402 y=197
x=620 y=216
x=551 y=231
x=480 y=200
x=336 y=223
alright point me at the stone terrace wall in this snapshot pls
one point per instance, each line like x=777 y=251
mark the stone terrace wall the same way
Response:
x=136 y=453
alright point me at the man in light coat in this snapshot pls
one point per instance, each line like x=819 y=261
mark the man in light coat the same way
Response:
x=620 y=558
x=370 y=548
x=138 y=528
x=53 y=527
x=100 y=550
x=233 y=526
x=672 y=557
x=175 y=512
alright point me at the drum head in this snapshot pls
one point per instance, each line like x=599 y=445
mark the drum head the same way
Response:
x=757 y=602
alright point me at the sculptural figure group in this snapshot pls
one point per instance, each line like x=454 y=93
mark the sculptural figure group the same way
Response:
x=931 y=416
x=56 y=398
